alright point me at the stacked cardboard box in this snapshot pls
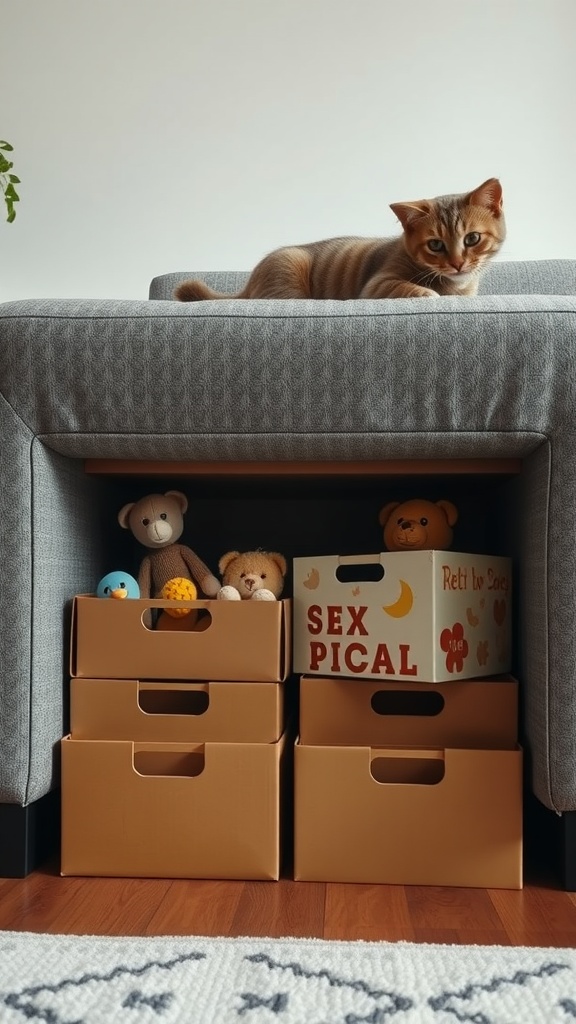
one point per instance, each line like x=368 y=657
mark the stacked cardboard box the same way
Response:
x=398 y=780
x=174 y=760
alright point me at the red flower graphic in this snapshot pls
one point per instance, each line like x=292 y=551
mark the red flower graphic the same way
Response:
x=456 y=647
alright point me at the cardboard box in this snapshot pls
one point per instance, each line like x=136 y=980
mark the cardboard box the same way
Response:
x=425 y=616
x=175 y=712
x=459 y=713
x=171 y=810
x=408 y=816
x=241 y=640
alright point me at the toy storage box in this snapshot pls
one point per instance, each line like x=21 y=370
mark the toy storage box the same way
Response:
x=430 y=616
x=410 y=817
x=461 y=712
x=171 y=810
x=428 y=810
x=243 y=641
x=176 y=712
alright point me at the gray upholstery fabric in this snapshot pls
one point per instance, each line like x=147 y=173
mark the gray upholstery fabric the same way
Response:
x=50 y=544
x=233 y=380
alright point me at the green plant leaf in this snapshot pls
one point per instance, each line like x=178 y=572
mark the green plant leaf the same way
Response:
x=8 y=181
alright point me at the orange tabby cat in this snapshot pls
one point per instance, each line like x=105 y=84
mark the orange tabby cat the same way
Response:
x=445 y=245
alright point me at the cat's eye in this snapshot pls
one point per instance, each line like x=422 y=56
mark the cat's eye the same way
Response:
x=472 y=238
x=436 y=245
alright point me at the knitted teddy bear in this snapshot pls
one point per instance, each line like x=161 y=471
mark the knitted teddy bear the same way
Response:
x=157 y=522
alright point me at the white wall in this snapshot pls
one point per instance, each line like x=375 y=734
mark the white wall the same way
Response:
x=159 y=135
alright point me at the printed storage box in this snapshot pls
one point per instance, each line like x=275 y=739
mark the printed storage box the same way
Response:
x=429 y=616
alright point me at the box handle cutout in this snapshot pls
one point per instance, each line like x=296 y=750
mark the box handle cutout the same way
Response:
x=417 y=704
x=156 y=618
x=174 y=763
x=408 y=768
x=173 y=702
x=360 y=572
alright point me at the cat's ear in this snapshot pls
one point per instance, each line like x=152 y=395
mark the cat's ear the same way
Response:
x=489 y=194
x=407 y=213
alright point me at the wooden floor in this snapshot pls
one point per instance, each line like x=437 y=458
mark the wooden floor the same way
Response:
x=539 y=915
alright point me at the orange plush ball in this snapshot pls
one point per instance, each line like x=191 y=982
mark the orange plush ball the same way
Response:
x=418 y=525
x=178 y=589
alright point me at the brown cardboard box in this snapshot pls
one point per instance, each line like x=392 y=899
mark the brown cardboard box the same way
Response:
x=244 y=640
x=408 y=816
x=460 y=713
x=171 y=810
x=176 y=712
x=420 y=616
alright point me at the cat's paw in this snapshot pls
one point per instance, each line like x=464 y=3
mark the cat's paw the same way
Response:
x=415 y=291
x=401 y=290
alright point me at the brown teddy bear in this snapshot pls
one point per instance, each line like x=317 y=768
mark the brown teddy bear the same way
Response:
x=157 y=522
x=251 y=576
x=418 y=525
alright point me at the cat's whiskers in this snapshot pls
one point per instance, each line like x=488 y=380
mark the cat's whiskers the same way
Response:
x=426 y=278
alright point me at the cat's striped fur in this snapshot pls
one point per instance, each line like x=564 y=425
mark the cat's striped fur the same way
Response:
x=445 y=245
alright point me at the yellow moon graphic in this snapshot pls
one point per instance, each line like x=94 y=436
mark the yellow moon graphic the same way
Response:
x=404 y=603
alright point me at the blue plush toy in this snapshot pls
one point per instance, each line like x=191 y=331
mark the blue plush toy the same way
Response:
x=118 y=585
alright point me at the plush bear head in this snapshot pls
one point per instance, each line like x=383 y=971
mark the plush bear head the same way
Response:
x=418 y=525
x=157 y=519
x=252 y=576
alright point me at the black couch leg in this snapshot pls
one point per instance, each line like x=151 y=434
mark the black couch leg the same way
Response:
x=550 y=843
x=568 y=851
x=29 y=835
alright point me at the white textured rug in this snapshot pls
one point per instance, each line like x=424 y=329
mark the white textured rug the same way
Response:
x=85 y=980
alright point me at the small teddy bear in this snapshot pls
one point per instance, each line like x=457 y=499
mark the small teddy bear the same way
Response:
x=418 y=525
x=251 y=576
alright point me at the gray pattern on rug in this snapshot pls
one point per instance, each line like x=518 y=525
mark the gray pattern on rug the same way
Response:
x=89 y=980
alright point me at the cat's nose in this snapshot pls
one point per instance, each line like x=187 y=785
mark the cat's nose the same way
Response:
x=457 y=264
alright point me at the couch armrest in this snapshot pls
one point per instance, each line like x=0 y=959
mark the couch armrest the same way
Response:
x=530 y=277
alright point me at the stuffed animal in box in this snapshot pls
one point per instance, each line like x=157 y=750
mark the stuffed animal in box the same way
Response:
x=118 y=585
x=418 y=524
x=180 y=588
x=252 y=576
x=157 y=521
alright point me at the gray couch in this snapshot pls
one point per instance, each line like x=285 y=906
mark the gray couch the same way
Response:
x=489 y=377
